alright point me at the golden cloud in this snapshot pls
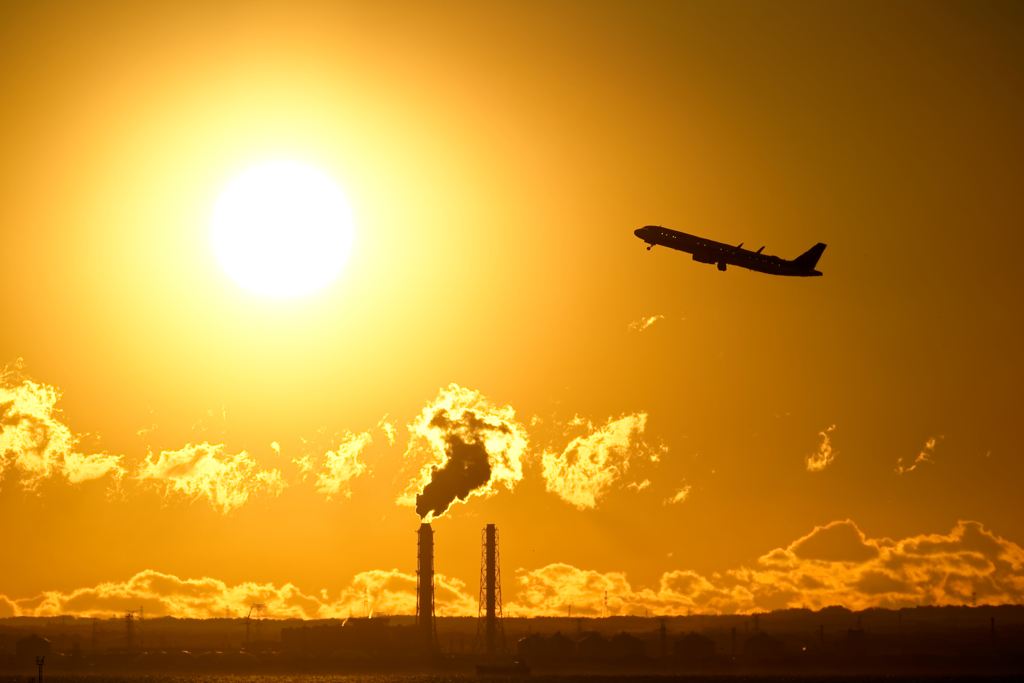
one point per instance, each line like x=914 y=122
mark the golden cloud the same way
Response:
x=342 y=465
x=167 y=595
x=924 y=456
x=205 y=471
x=551 y=590
x=387 y=592
x=390 y=431
x=824 y=456
x=680 y=496
x=643 y=323
x=584 y=472
x=306 y=463
x=36 y=442
x=394 y=592
x=835 y=564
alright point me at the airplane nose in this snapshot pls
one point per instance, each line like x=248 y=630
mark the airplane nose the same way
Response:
x=639 y=232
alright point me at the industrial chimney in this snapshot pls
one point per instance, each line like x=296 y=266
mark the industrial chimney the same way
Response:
x=425 y=587
x=489 y=623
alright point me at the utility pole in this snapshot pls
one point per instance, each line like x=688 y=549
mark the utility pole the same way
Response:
x=39 y=663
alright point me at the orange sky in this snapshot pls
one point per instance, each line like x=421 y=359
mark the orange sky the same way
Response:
x=497 y=158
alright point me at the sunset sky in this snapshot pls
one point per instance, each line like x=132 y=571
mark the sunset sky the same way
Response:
x=683 y=438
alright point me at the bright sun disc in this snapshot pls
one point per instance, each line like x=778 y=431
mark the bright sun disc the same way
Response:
x=282 y=229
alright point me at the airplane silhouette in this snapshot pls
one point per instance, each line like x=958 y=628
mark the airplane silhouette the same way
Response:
x=709 y=251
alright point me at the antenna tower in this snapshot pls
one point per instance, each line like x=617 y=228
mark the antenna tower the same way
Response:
x=260 y=610
x=490 y=628
x=131 y=617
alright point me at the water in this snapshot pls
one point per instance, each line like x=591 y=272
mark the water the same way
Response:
x=469 y=678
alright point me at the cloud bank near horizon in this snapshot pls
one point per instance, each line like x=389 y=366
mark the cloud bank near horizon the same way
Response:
x=835 y=564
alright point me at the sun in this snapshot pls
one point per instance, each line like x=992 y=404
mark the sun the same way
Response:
x=282 y=229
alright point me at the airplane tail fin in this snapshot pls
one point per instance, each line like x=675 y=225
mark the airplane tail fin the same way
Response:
x=809 y=258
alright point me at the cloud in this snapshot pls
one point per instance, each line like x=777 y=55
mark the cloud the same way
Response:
x=680 y=496
x=205 y=471
x=550 y=590
x=462 y=445
x=342 y=465
x=388 y=592
x=394 y=592
x=835 y=564
x=305 y=463
x=78 y=468
x=585 y=471
x=824 y=456
x=924 y=456
x=167 y=595
x=35 y=441
x=643 y=323
x=835 y=542
x=389 y=429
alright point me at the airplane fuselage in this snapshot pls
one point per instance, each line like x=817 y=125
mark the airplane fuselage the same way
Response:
x=710 y=251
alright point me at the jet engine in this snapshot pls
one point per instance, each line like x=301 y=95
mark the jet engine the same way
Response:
x=721 y=266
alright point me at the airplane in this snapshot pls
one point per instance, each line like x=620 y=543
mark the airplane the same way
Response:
x=709 y=251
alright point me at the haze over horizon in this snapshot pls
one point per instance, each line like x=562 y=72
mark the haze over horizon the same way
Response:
x=632 y=421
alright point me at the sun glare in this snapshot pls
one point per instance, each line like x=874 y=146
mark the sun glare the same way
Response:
x=282 y=229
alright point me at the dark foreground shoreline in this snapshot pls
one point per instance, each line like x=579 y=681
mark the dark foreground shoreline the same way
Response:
x=541 y=678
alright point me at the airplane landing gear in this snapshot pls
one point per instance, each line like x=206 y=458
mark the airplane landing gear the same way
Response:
x=649 y=247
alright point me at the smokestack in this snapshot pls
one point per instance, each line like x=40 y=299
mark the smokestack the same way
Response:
x=489 y=628
x=425 y=587
x=491 y=550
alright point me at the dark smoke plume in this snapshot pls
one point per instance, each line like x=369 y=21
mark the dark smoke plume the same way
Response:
x=468 y=465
